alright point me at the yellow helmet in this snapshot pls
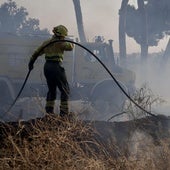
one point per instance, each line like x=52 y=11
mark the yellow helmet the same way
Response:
x=60 y=30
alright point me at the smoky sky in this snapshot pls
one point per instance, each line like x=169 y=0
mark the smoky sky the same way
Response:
x=99 y=18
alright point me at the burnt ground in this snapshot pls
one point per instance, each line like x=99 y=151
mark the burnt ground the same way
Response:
x=108 y=134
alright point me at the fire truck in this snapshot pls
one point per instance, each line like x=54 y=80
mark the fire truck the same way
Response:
x=88 y=80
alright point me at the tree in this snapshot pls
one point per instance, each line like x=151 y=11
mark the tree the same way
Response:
x=156 y=24
x=122 y=30
x=79 y=19
x=143 y=31
x=15 y=20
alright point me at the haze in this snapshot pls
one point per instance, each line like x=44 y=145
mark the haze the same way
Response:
x=99 y=17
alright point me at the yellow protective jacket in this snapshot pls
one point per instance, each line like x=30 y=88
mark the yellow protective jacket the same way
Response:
x=53 y=51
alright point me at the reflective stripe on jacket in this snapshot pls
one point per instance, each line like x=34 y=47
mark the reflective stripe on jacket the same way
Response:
x=53 y=51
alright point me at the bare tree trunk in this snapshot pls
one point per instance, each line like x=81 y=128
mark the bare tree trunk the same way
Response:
x=79 y=19
x=144 y=38
x=122 y=30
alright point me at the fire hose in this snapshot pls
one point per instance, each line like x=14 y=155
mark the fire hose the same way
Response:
x=108 y=71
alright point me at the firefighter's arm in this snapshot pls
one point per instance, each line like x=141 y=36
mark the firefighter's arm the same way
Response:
x=38 y=52
x=68 y=46
x=32 y=60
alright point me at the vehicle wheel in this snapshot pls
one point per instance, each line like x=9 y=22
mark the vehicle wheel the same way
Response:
x=6 y=96
x=107 y=98
x=6 y=91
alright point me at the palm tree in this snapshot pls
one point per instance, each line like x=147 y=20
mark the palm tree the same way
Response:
x=122 y=30
x=79 y=19
x=143 y=19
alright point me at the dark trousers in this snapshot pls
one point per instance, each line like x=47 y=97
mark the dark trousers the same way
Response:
x=56 y=78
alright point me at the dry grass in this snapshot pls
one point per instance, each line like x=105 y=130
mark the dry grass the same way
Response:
x=69 y=145
x=146 y=99
x=52 y=143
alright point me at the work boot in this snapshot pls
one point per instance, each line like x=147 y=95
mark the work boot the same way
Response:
x=49 y=110
x=68 y=116
x=64 y=109
x=63 y=114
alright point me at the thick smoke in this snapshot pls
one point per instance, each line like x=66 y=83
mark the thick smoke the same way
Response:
x=154 y=73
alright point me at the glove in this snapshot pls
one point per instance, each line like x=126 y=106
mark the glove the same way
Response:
x=31 y=65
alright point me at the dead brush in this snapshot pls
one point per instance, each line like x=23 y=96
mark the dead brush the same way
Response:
x=146 y=99
x=53 y=143
x=148 y=155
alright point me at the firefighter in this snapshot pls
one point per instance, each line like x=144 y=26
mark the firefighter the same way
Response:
x=53 y=70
